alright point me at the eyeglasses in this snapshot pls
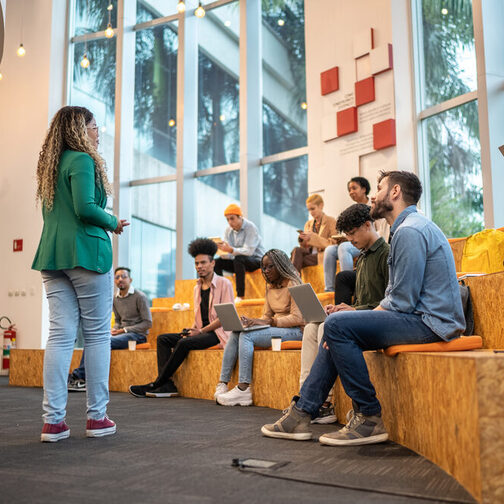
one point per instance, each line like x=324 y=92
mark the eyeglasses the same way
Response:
x=93 y=128
x=118 y=277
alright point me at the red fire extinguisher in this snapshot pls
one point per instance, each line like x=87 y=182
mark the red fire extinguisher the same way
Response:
x=9 y=341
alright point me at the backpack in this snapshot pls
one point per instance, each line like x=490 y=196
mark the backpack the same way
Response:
x=484 y=252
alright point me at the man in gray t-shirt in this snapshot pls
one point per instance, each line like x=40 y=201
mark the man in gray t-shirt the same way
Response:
x=132 y=322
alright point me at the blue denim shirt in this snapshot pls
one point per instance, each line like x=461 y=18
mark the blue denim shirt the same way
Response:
x=422 y=276
x=246 y=241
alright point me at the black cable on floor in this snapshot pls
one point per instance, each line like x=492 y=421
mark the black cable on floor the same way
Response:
x=351 y=487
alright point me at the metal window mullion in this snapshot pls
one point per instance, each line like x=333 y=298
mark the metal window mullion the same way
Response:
x=70 y=52
x=152 y=180
x=251 y=110
x=124 y=111
x=284 y=156
x=187 y=137
x=448 y=104
x=217 y=169
x=422 y=147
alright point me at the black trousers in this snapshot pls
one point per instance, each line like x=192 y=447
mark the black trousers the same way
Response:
x=172 y=349
x=238 y=266
x=344 y=287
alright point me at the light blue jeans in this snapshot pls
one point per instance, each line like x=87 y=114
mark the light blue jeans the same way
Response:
x=77 y=296
x=346 y=253
x=241 y=346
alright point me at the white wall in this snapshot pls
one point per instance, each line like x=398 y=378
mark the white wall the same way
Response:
x=26 y=105
x=330 y=28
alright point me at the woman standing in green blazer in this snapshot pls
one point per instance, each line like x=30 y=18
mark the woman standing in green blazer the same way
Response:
x=75 y=258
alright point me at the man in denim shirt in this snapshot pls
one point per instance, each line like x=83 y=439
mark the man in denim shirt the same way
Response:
x=422 y=304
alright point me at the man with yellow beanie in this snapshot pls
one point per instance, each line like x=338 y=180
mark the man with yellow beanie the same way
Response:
x=242 y=246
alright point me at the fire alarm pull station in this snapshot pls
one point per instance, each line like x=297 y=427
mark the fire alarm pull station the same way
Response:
x=18 y=245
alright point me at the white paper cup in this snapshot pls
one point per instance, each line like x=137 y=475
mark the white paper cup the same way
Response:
x=276 y=344
x=132 y=345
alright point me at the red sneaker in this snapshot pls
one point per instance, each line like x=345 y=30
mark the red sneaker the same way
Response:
x=54 y=432
x=99 y=428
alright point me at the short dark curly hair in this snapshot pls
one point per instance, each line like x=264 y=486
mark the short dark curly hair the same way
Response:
x=353 y=217
x=202 y=246
x=363 y=182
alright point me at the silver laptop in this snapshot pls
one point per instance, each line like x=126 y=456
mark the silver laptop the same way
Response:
x=308 y=302
x=230 y=320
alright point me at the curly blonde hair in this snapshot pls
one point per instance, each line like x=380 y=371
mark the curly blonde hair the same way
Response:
x=66 y=132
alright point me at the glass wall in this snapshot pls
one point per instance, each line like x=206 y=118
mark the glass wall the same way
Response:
x=94 y=88
x=449 y=134
x=155 y=121
x=161 y=153
x=214 y=193
x=218 y=87
x=284 y=79
x=284 y=193
x=153 y=238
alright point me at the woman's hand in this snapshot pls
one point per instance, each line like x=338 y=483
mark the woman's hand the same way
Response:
x=247 y=322
x=121 y=224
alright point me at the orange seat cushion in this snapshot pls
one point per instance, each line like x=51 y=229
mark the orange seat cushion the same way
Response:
x=455 y=345
x=143 y=346
x=286 y=345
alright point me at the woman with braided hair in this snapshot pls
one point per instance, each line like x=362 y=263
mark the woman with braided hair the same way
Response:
x=75 y=259
x=280 y=312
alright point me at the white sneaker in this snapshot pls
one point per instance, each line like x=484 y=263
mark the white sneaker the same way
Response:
x=221 y=388
x=235 y=397
x=238 y=300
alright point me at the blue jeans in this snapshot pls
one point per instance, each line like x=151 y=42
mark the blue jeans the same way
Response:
x=348 y=334
x=119 y=342
x=77 y=296
x=241 y=346
x=346 y=253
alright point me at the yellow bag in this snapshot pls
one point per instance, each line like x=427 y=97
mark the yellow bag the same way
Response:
x=484 y=252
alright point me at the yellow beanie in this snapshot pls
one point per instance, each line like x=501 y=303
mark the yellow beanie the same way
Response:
x=233 y=210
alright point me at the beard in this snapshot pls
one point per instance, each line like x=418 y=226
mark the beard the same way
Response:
x=381 y=208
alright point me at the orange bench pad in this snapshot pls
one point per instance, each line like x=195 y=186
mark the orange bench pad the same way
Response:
x=455 y=345
x=143 y=346
x=286 y=345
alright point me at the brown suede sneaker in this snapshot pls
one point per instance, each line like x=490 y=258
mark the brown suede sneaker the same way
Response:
x=293 y=425
x=359 y=430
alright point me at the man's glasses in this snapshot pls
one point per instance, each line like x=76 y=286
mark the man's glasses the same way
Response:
x=118 y=277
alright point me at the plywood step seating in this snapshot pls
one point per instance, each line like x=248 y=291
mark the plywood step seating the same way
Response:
x=442 y=405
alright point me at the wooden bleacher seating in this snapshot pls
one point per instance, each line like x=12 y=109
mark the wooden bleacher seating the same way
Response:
x=445 y=405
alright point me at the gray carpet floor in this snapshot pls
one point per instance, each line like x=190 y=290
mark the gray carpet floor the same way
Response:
x=180 y=451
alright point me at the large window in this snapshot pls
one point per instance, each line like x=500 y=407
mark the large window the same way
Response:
x=218 y=89
x=185 y=149
x=155 y=139
x=214 y=193
x=94 y=87
x=448 y=111
x=284 y=194
x=284 y=79
x=153 y=238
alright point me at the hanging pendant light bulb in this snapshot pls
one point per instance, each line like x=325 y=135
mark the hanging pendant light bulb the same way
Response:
x=181 y=6
x=21 y=51
x=109 y=32
x=200 y=11
x=85 y=61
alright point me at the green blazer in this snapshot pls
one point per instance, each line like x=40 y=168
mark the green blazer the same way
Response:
x=74 y=230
